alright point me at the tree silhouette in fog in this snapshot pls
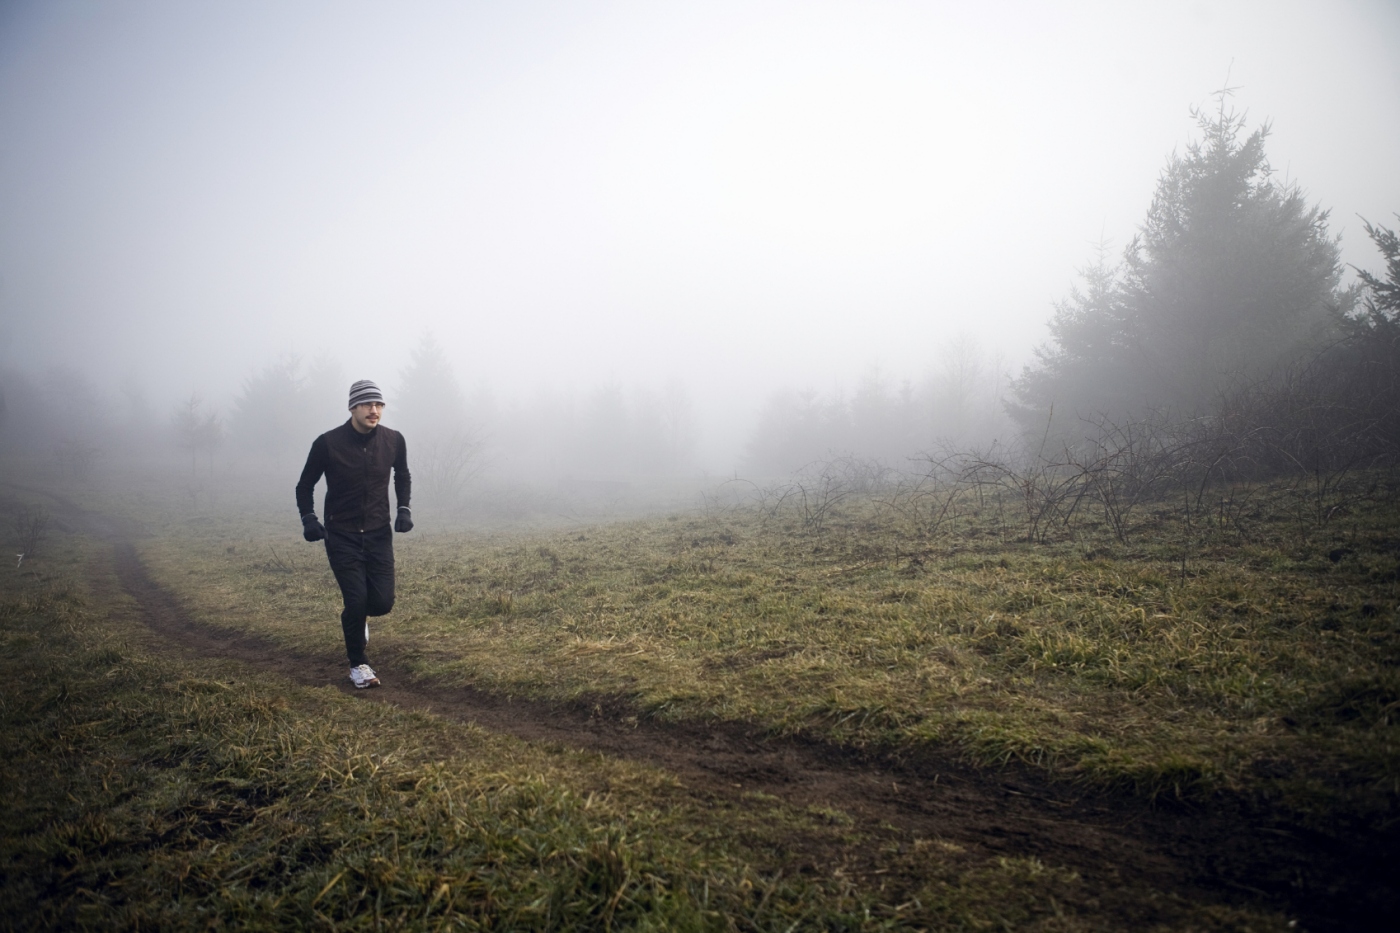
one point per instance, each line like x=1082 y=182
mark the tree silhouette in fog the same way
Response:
x=285 y=404
x=957 y=404
x=1382 y=295
x=444 y=441
x=267 y=416
x=1231 y=278
x=196 y=430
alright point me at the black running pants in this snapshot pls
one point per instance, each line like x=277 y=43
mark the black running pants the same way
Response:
x=363 y=564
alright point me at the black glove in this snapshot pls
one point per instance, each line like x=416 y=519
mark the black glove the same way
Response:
x=404 y=523
x=311 y=527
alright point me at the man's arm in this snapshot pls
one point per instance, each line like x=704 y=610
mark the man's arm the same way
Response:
x=403 y=487
x=403 y=482
x=316 y=462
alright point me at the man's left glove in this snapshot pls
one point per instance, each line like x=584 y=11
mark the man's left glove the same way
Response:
x=311 y=527
x=404 y=523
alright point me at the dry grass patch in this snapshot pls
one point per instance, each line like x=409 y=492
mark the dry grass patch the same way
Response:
x=149 y=792
x=1174 y=668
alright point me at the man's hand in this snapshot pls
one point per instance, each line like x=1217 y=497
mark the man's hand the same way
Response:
x=311 y=527
x=404 y=523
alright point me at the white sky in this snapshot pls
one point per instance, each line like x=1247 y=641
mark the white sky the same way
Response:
x=734 y=195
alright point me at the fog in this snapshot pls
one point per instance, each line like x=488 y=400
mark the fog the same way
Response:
x=687 y=212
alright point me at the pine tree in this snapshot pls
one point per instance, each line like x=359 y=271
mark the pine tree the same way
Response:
x=444 y=444
x=1382 y=296
x=1231 y=277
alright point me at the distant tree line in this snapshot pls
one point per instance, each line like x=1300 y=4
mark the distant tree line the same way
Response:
x=611 y=433
x=958 y=403
x=456 y=436
x=61 y=418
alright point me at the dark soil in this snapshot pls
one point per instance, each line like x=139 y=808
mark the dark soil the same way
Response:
x=1220 y=851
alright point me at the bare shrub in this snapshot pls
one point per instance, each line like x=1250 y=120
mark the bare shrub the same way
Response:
x=731 y=496
x=196 y=431
x=445 y=464
x=1327 y=433
x=926 y=500
x=817 y=495
x=819 y=488
x=1207 y=473
x=31 y=528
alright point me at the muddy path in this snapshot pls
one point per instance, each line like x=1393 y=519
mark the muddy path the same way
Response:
x=1122 y=846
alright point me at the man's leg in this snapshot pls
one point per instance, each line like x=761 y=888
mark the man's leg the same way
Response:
x=346 y=552
x=379 y=571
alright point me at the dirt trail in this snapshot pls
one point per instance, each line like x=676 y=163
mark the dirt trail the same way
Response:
x=1119 y=844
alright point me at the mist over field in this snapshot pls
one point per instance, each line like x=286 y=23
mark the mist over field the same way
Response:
x=596 y=243
x=874 y=465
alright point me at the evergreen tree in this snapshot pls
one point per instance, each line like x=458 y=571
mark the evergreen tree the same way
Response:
x=286 y=404
x=1382 y=296
x=1231 y=277
x=1088 y=358
x=268 y=417
x=429 y=398
x=444 y=445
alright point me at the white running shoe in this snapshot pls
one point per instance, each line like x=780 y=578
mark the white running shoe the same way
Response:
x=363 y=676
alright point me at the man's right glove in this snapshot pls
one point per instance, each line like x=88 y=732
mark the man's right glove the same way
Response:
x=311 y=527
x=404 y=523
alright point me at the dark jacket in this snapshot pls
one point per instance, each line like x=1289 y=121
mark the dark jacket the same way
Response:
x=356 y=467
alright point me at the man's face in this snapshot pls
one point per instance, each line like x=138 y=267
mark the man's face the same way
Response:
x=365 y=416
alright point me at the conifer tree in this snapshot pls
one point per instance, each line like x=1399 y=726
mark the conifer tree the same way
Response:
x=1232 y=277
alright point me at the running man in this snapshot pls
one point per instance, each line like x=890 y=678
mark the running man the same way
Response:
x=356 y=459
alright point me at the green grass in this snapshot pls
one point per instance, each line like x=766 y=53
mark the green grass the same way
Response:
x=148 y=792
x=1258 y=664
x=143 y=792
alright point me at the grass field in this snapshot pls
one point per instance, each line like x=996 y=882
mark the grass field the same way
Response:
x=160 y=794
x=1261 y=661
x=159 y=790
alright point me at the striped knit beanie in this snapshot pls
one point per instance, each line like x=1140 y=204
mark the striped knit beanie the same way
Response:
x=365 y=391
